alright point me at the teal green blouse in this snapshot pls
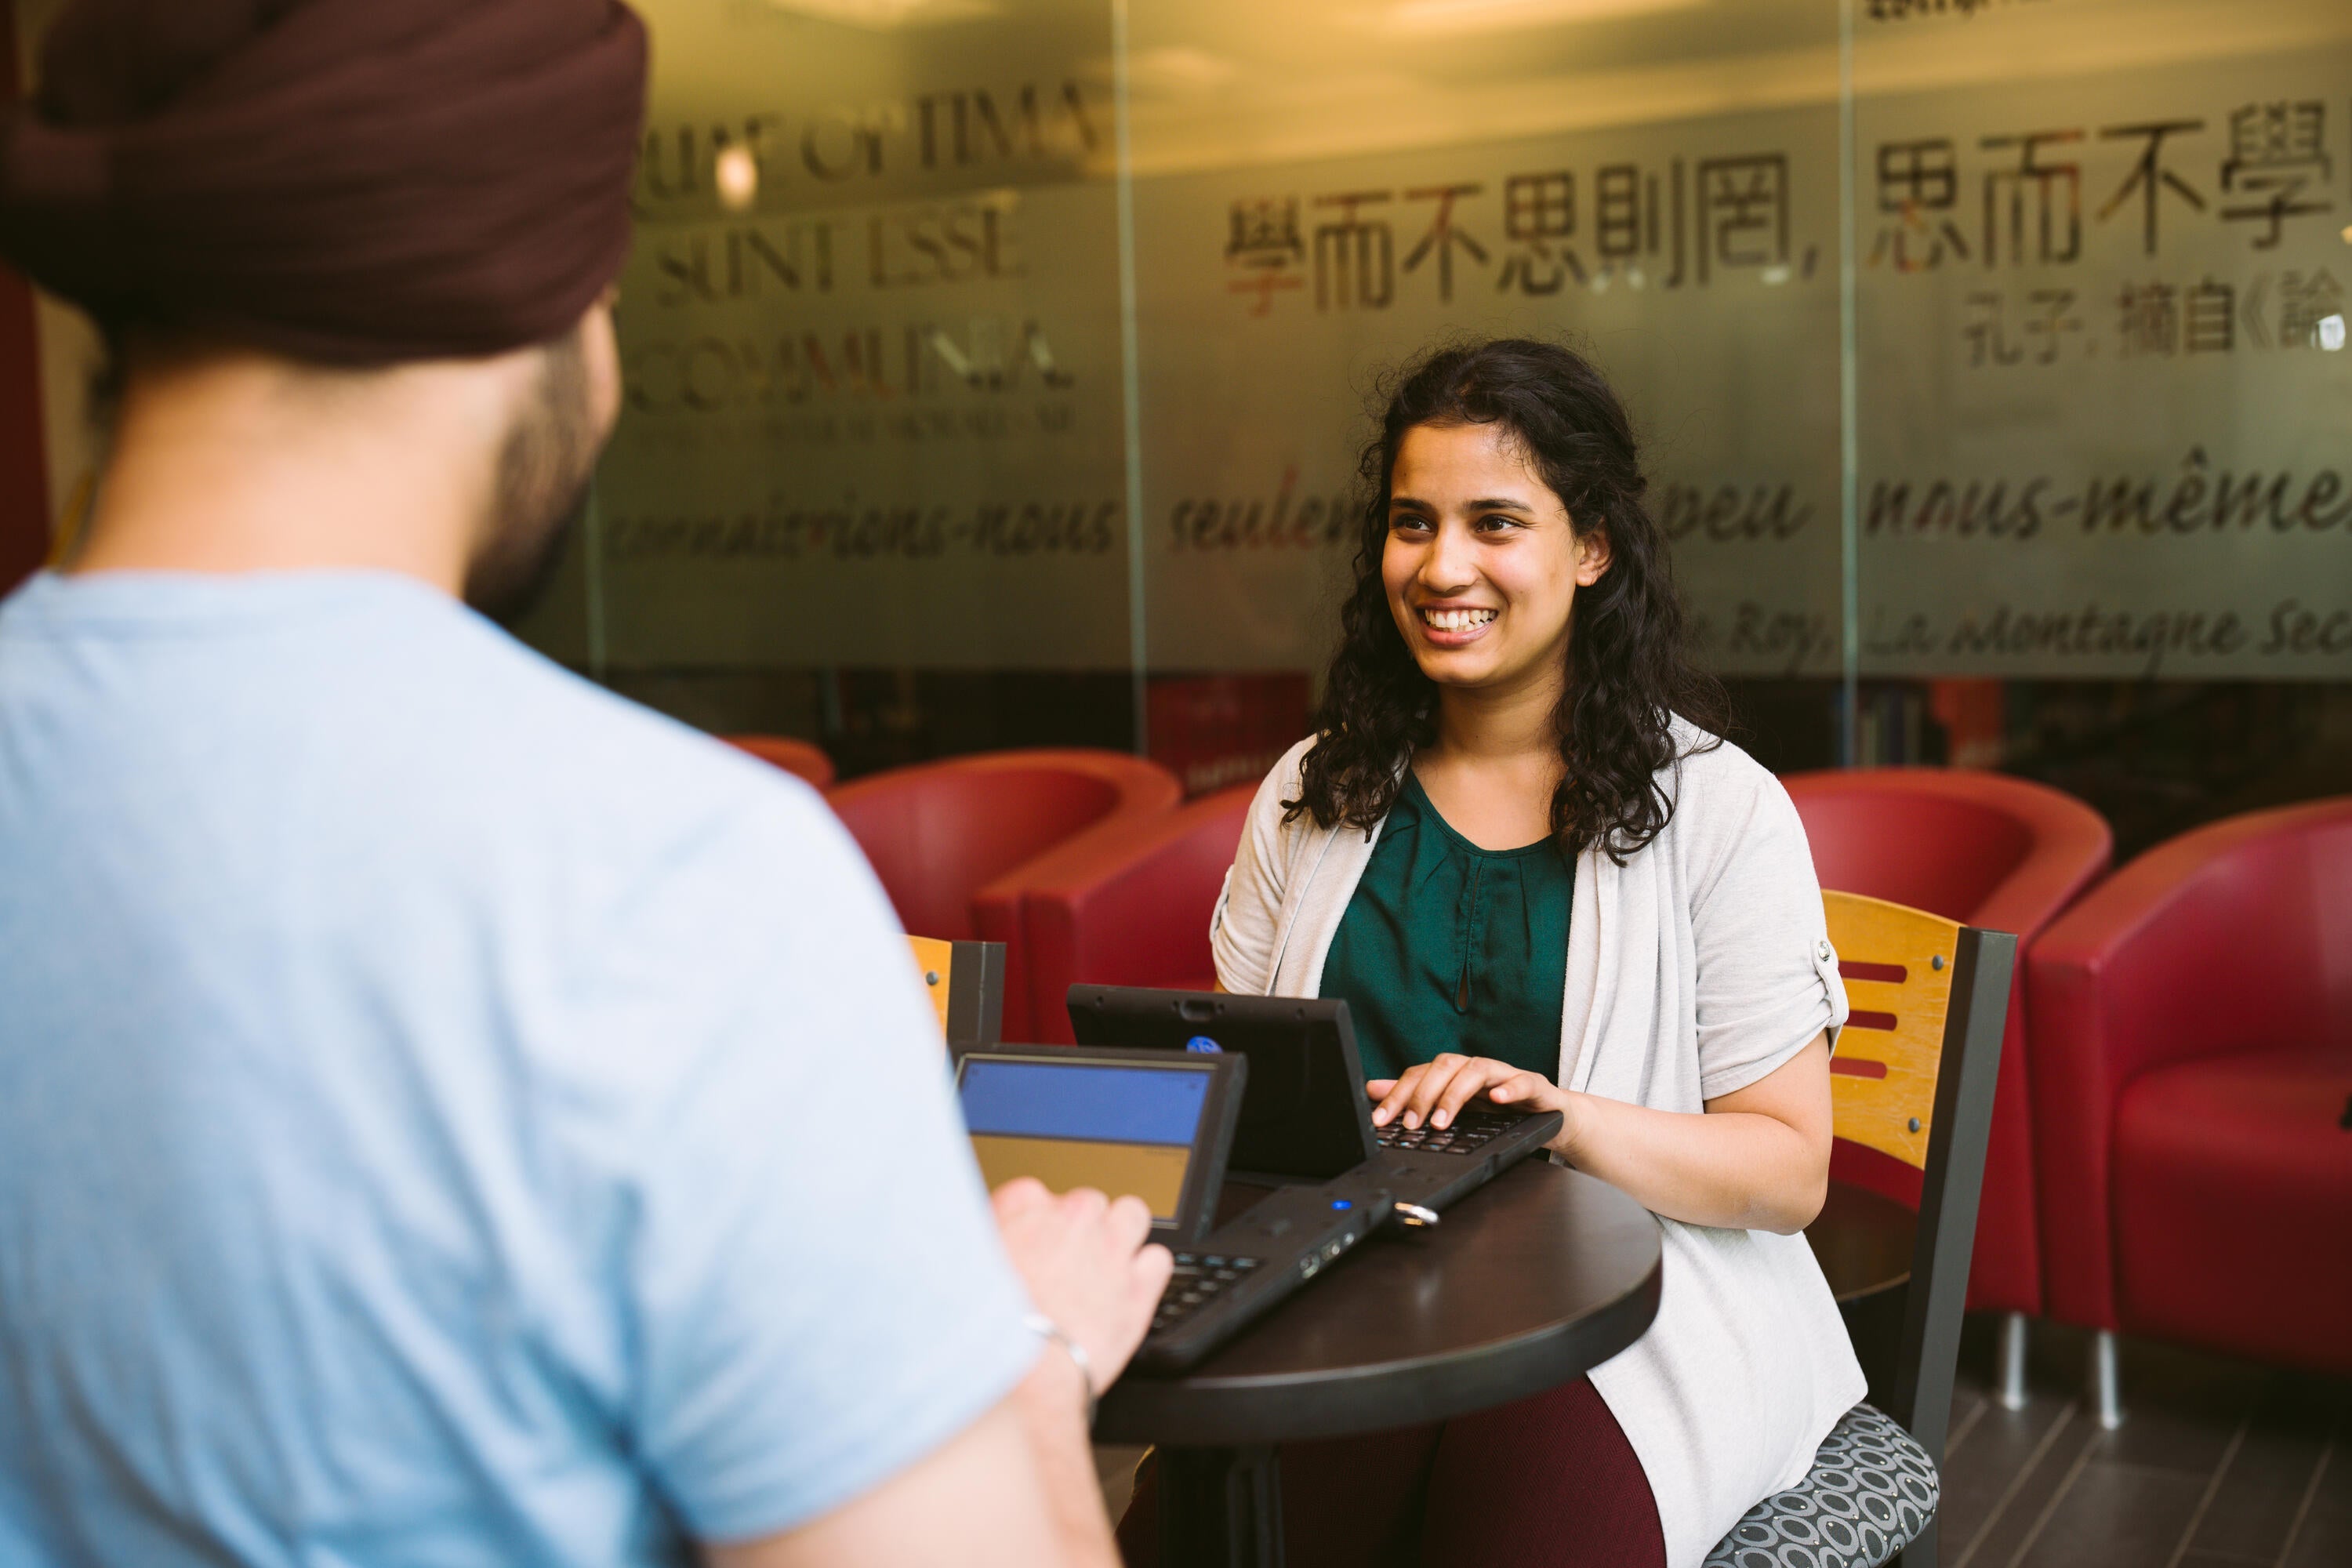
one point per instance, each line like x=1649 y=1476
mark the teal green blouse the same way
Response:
x=1449 y=947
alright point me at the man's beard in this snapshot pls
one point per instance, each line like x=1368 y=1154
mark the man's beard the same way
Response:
x=545 y=469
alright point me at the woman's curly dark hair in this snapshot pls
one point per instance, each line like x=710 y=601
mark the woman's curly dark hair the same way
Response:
x=1629 y=673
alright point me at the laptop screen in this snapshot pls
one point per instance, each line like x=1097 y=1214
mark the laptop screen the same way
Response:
x=1304 y=1115
x=1123 y=1128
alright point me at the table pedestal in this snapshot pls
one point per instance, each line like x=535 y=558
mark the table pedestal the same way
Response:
x=1536 y=1280
x=1220 y=1508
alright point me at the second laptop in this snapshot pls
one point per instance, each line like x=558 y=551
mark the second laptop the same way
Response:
x=1305 y=1116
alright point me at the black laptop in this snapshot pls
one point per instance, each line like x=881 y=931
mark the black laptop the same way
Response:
x=1159 y=1124
x=1305 y=1116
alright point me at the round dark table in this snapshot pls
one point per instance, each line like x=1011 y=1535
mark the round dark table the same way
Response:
x=1534 y=1280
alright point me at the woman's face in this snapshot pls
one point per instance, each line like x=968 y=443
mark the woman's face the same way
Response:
x=1482 y=566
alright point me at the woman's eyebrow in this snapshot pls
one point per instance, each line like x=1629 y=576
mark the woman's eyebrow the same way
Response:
x=1487 y=504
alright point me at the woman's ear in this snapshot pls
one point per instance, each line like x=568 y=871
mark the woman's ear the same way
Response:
x=1591 y=557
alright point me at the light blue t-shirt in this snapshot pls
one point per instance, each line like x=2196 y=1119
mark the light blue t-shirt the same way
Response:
x=447 y=1114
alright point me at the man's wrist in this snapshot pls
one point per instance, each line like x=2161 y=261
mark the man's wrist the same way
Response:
x=1063 y=1348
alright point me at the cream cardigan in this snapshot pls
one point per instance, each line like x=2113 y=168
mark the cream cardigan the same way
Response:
x=1696 y=967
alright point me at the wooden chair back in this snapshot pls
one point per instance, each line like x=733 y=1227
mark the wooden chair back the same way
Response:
x=1898 y=964
x=966 y=982
x=1913 y=1078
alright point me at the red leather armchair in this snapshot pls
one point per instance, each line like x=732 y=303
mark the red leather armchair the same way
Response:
x=2193 y=1032
x=949 y=840
x=1992 y=851
x=798 y=758
x=1130 y=913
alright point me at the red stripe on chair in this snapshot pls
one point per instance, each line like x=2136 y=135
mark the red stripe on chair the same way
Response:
x=1855 y=1067
x=1869 y=1020
x=1892 y=974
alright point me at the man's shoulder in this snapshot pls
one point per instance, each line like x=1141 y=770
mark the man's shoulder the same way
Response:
x=663 y=881
x=517 y=711
x=504 y=771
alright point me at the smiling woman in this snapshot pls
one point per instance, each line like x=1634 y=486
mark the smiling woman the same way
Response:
x=1506 y=484
x=1519 y=849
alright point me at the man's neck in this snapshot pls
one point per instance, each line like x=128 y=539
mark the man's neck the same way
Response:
x=227 y=463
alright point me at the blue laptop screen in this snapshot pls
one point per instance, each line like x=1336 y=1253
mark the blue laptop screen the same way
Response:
x=1124 y=1130
x=1108 y=1104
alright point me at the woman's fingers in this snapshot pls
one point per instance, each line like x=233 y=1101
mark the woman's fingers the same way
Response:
x=1441 y=1073
x=1390 y=1093
x=1400 y=1091
x=1480 y=1075
x=1435 y=1091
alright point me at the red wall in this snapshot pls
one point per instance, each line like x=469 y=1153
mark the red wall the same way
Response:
x=24 y=486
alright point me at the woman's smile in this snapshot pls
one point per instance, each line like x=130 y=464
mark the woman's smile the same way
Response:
x=1456 y=626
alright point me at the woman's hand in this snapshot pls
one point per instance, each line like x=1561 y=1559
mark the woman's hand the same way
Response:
x=1435 y=1091
x=1755 y=1159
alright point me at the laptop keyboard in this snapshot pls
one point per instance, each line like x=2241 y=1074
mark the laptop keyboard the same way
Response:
x=1469 y=1132
x=1200 y=1278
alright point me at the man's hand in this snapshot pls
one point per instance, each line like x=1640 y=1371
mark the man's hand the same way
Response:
x=1435 y=1091
x=1085 y=1260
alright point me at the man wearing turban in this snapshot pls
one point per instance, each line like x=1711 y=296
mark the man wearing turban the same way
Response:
x=446 y=1114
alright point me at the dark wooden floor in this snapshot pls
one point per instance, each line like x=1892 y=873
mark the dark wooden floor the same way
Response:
x=2219 y=1464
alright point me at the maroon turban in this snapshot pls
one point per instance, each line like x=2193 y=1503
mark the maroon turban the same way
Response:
x=356 y=182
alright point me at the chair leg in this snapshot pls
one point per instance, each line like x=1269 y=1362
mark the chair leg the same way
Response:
x=2008 y=1378
x=2106 y=1392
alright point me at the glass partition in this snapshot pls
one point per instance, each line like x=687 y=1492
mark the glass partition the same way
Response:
x=1325 y=189
x=868 y=486
x=997 y=369
x=2105 y=512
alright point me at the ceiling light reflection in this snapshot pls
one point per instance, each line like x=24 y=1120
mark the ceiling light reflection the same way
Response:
x=737 y=175
x=1462 y=17
x=882 y=15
